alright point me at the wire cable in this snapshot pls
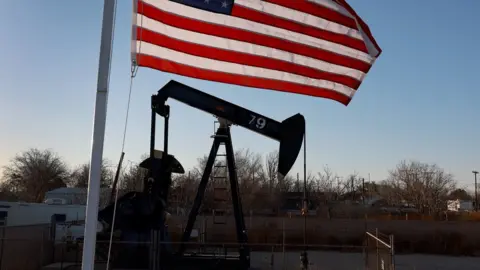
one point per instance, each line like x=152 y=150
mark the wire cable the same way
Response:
x=134 y=69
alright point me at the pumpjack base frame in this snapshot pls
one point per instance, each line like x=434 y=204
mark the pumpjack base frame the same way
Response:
x=207 y=261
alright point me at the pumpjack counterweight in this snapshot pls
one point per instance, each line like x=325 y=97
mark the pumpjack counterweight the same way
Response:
x=141 y=216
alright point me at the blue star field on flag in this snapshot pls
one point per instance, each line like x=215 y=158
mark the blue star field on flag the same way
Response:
x=217 y=6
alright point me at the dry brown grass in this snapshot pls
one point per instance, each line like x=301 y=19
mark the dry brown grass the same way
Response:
x=468 y=216
x=411 y=236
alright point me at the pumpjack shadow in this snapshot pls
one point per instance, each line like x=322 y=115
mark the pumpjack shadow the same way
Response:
x=140 y=216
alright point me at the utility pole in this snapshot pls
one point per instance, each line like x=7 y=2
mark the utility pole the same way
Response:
x=476 y=194
x=298 y=182
x=363 y=191
x=352 y=186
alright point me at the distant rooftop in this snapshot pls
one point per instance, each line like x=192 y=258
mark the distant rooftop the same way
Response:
x=74 y=190
x=74 y=195
x=70 y=190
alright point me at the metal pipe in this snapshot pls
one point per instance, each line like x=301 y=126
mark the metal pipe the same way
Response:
x=304 y=256
x=476 y=194
x=305 y=203
x=283 y=243
x=377 y=249
x=392 y=251
x=153 y=121
x=165 y=133
x=363 y=191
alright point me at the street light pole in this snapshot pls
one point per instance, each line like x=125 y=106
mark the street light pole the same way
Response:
x=476 y=195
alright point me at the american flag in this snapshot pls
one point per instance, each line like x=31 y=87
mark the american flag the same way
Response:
x=320 y=48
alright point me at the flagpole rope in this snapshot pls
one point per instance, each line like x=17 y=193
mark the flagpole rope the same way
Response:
x=133 y=73
x=132 y=76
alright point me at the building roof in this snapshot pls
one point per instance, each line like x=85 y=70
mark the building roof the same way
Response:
x=372 y=200
x=73 y=190
x=68 y=190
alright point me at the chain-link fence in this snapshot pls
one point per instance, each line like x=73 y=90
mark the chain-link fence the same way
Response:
x=24 y=247
x=274 y=246
x=38 y=246
x=262 y=256
x=379 y=251
x=31 y=248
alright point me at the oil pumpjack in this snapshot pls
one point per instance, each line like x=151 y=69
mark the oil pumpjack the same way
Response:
x=141 y=216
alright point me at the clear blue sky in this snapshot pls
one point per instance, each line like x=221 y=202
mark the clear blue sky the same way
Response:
x=420 y=101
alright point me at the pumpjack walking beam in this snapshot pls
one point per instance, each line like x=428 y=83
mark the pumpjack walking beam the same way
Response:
x=222 y=136
x=289 y=133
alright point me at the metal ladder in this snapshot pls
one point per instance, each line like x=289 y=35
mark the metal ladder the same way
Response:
x=220 y=186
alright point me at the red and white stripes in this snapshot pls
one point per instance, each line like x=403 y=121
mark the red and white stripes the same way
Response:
x=313 y=47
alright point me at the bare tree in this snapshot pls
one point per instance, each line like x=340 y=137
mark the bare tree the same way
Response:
x=33 y=172
x=311 y=181
x=460 y=194
x=353 y=186
x=183 y=192
x=132 y=178
x=248 y=165
x=425 y=186
x=79 y=176
x=249 y=173
x=215 y=180
x=330 y=184
x=270 y=175
x=372 y=188
x=7 y=195
x=272 y=189
x=326 y=180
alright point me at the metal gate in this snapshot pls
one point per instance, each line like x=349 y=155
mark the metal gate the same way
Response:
x=379 y=251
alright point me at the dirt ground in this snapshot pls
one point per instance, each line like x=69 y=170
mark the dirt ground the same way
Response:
x=354 y=261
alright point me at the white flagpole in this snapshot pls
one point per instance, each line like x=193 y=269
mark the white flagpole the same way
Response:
x=99 y=122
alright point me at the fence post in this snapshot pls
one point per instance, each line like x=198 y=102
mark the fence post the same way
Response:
x=250 y=220
x=283 y=243
x=392 y=251
x=376 y=247
x=41 y=251
x=272 y=257
x=2 y=246
x=365 y=250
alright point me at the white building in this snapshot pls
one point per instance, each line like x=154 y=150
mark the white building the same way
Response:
x=75 y=196
x=20 y=214
x=459 y=205
x=62 y=201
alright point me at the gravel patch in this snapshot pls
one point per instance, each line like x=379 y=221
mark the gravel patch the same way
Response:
x=355 y=261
